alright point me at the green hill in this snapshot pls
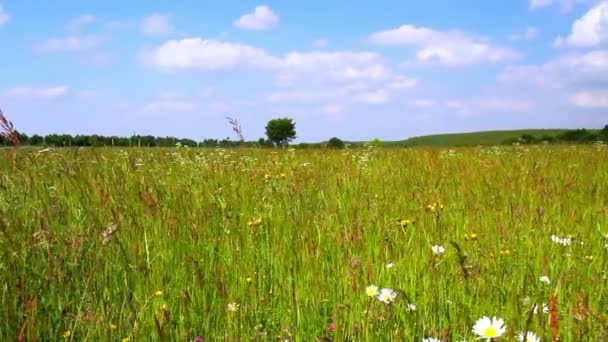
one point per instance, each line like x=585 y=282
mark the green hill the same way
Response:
x=476 y=138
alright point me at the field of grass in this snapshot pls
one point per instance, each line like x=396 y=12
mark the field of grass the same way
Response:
x=239 y=245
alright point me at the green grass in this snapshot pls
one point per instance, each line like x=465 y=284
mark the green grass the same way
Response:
x=187 y=227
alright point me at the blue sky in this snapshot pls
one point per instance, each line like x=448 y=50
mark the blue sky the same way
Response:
x=356 y=70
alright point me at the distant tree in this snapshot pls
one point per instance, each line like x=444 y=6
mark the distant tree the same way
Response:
x=335 y=143
x=603 y=134
x=281 y=131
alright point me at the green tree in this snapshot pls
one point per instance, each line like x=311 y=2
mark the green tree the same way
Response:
x=335 y=143
x=281 y=131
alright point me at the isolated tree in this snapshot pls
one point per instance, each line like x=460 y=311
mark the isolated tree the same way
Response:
x=281 y=131
x=335 y=143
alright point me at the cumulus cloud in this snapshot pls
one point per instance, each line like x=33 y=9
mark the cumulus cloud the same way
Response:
x=37 y=93
x=4 y=17
x=324 y=77
x=591 y=99
x=262 y=18
x=591 y=30
x=157 y=24
x=70 y=43
x=208 y=55
x=572 y=70
x=451 y=48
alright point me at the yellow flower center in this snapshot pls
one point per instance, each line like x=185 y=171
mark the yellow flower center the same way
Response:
x=386 y=297
x=490 y=332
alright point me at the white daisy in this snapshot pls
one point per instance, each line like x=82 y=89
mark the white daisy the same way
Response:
x=387 y=296
x=371 y=291
x=411 y=307
x=528 y=337
x=543 y=309
x=233 y=307
x=431 y=339
x=489 y=328
x=390 y=265
x=545 y=279
x=438 y=249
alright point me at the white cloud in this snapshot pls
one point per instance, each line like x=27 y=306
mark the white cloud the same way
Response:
x=262 y=18
x=4 y=17
x=451 y=48
x=530 y=33
x=591 y=99
x=37 y=93
x=207 y=55
x=564 y=5
x=76 y=23
x=327 y=78
x=320 y=43
x=321 y=67
x=591 y=30
x=70 y=43
x=157 y=24
x=573 y=70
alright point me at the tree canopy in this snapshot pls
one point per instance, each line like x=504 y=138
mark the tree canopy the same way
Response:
x=281 y=131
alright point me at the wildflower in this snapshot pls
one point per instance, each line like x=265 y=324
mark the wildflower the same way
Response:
x=528 y=337
x=564 y=241
x=67 y=334
x=589 y=257
x=371 y=291
x=431 y=339
x=113 y=327
x=126 y=339
x=489 y=328
x=543 y=309
x=411 y=307
x=505 y=252
x=106 y=235
x=248 y=279
x=331 y=327
x=545 y=279
x=158 y=293
x=283 y=175
x=198 y=339
x=254 y=222
x=387 y=296
x=233 y=307
x=472 y=237
x=405 y=222
x=390 y=265
x=435 y=207
x=438 y=249
x=606 y=246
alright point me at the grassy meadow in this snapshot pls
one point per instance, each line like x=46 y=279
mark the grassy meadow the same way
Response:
x=284 y=245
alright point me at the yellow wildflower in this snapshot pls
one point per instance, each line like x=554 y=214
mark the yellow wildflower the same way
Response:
x=158 y=293
x=67 y=334
x=113 y=327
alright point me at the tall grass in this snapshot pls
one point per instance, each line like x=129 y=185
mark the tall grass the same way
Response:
x=171 y=244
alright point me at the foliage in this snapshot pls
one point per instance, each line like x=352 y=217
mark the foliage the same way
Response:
x=335 y=143
x=237 y=245
x=281 y=131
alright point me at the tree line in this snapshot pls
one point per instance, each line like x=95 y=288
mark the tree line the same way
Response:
x=569 y=136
